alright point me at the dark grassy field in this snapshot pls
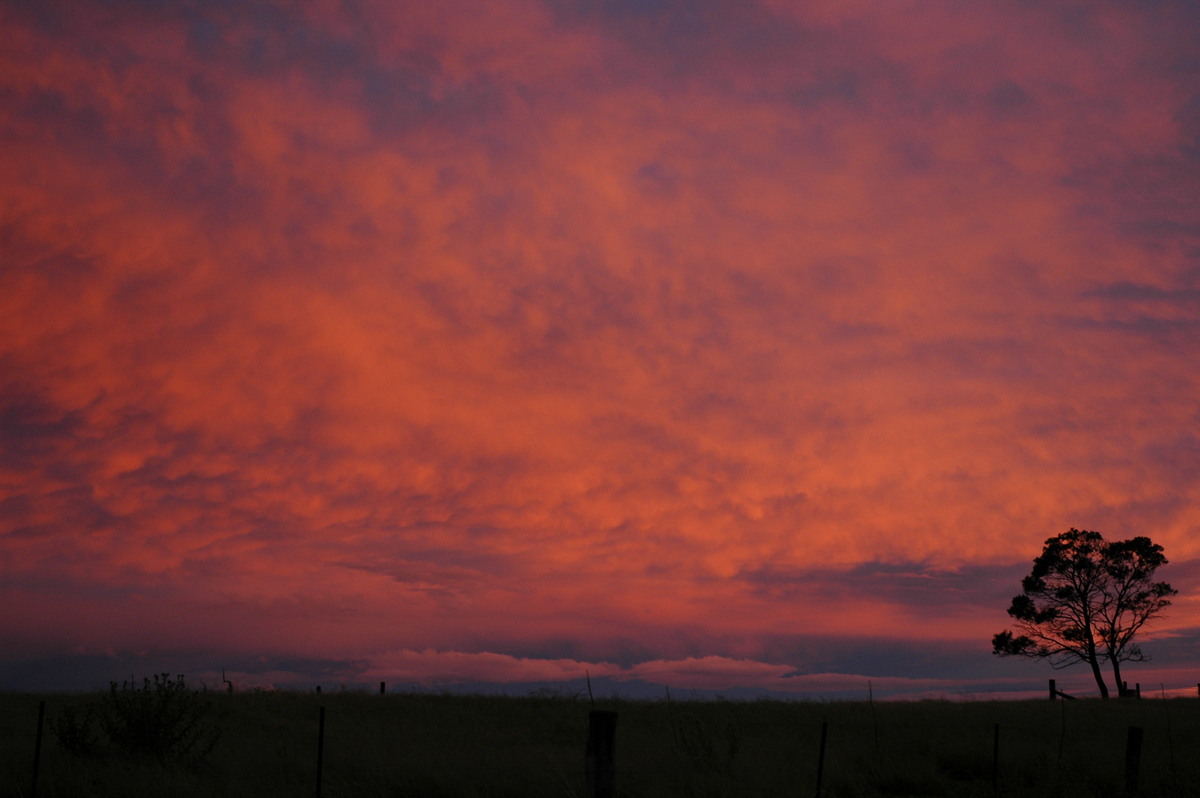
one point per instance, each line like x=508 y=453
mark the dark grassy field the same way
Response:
x=435 y=745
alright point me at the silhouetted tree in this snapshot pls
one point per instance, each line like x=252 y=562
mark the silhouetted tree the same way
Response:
x=1085 y=600
x=1132 y=598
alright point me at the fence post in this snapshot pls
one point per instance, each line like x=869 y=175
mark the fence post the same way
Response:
x=821 y=757
x=1054 y=693
x=599 y=766
x=37 y=748
x=382 y=688
x=320 y=749
x=1133 y=759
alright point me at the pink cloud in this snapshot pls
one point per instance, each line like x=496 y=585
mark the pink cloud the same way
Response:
x=457 y=323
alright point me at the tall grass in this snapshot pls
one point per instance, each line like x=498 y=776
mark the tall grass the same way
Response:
x=440 y=745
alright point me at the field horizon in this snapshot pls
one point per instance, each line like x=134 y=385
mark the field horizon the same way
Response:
x=424 y=744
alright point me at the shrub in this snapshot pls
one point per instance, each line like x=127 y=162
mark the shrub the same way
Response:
x=75 y=732
x=160 y=718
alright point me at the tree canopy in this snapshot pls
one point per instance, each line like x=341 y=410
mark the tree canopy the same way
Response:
x=1086 y=600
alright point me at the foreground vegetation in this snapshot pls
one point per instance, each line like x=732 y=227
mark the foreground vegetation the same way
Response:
x=265 y=744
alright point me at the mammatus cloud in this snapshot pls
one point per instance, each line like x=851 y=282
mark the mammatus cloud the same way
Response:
x=670 y=331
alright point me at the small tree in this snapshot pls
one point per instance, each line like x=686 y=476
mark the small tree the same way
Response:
x=1085 y=600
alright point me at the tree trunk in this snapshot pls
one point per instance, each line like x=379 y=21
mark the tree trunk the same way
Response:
x=1100 y=677
x=1093 y=659
x=1117 y=673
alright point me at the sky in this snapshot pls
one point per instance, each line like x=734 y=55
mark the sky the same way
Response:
x=743 y=346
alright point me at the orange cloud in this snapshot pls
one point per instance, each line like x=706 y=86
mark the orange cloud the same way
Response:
x=494 y=328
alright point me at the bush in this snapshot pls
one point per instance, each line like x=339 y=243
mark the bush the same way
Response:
x=75 y=732
x=160 y=718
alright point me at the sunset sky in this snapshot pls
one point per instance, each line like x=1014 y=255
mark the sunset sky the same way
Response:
x=717 y=345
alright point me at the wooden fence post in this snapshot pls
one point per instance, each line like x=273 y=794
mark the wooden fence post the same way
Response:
x=821 y=757
x=1133 y=759
x=37 y=748
x=599 y=765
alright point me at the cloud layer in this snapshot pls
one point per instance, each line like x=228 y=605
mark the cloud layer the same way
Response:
x=630 y=332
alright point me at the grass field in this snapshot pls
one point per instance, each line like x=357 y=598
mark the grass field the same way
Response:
x=443 y=745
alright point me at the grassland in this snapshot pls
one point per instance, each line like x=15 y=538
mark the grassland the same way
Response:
x=441 y=745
